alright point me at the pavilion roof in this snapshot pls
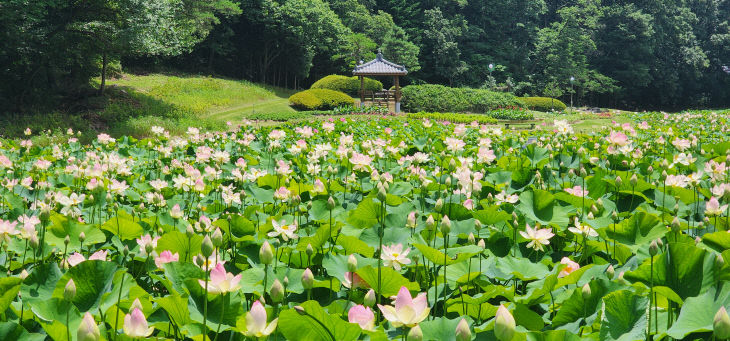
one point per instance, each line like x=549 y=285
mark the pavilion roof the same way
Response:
x=379 y=67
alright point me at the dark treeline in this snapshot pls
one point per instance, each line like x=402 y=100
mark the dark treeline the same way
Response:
x=648 y=54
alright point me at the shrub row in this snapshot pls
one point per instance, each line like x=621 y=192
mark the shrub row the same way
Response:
x=319 y=99
x=544 y=104
x=366 y=109
x=453 y=117
x=512 y=113
x=348 y=85
x=439 y=98
x=280 y=116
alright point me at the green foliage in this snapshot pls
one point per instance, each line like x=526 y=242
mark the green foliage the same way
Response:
x=513 y=113
x=319 y=99
x=433 y=97
x=280 y=116
x=348 y=85
x=351 y=109
x=453 y=117
x=544 y=104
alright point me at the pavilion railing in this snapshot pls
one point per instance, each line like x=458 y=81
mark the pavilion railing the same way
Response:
x=379 y=98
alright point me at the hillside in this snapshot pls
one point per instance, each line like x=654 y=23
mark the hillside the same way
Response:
x=133 y=103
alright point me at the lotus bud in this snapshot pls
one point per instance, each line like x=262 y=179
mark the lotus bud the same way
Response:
x=300 y=310
x=382 y=195
x=189 y=231
x=586 y=292
x=477 y=225
x=207 y=247
x=445 y=225
x=632 y=164
x=199 y=260
x=82 y=237
x=610 y=271
x=621 y=277
x=452 y=164
x=286 y=281
x=590 y=216
x=660 y=243
x=307 y=279
x=676 y=207
x=69 y=292
x=351 y=263
x=448 y=182
x=277 y=291
x=514 y=215
x=650 y=169
x=439 y=205
x=88 y=330
x=471 y=239
x=369 y=298
x=721 y=324
x=310 y=250
x=34 y=242
x=330 y=203
x=594 y=209
x=719 y=261
x=411 y=220
x=125 y=251
x=309 y=206
x=430 y=223
x=599 y=203
x=296 y=200
x=583 y=172
x=490 y=197
x=462 y=331
x=619 y=182
x=571 y=173
x=23 y=274
x=614 y=216
x=653 y=248
x=415 y=334
x=217 y=238
x=664 y=175
x=481 y=244
x=148 y=248
x=624 y=163
x=266 y=254
x=633 y=180
x=675 y=224
x=66 y=240
x=504 y=324
x=538 y=175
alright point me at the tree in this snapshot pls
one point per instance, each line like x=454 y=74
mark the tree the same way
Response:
x=442 y=57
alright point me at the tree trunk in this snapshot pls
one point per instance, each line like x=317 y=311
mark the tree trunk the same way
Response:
x=103 y=73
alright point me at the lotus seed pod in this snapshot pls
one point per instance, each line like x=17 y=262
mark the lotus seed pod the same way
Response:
x=462 y=331
x=430 y=223
x=217 y=238
x=721 y=324
x=439 y=205
x=69 y=292
x=481 y=244
x=653 y=248
x=277 y=291
x=351 y=263
x=207 y=247
x=310 y=250
x=586 y=292
x=445 y=225
x=504 y=324
x=610 y=271
x=369 y=298
x=330 y=203
x=415 y=334
x=307 y=279
x=266 y=253
x=88 y=330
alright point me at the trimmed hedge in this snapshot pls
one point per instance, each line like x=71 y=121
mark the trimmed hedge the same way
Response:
x=348 y=85
x=439 y=98
x=319 y=99
x=514 y=114
x=453 y=117
x=279 y=116
x=544 y=104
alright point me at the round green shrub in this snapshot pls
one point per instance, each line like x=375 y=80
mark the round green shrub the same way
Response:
x=545 y=104
x=348 y=85
x=319 y=99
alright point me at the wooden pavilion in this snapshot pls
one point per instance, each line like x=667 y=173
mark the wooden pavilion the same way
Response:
x=376 y=68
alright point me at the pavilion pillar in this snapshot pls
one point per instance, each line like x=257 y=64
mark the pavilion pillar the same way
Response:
x=362 y=91
x=397 y=95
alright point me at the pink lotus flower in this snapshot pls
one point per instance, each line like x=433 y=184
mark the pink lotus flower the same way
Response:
x=135 y=324
x=76 y=258
x=538 y=237
x=147 y=240
x=7 y=228
x=176 y=212
x=281 y=229
x=395 y=256
x=713 y=207
x=577 y=191
x=166 y=257
x=363 y=316
x=354 y=281
x=617 y=138
x=221 y=282
x=256 y=322
x=407 y=311
x=569 y=268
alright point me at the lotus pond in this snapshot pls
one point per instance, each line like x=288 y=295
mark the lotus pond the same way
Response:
x=371 y=230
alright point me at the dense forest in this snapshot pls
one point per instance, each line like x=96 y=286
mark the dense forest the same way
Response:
x=647 y=54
